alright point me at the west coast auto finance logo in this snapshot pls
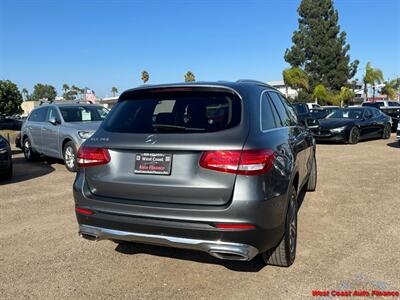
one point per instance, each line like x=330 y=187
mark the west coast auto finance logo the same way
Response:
x=355 y=293
x=361 y=287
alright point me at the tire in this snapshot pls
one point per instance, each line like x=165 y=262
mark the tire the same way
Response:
x=386 y=132
x=354 y=135
x=312 y=179
x=29 y=154
x=69 y=155
x=8 y=175
x=285 y=253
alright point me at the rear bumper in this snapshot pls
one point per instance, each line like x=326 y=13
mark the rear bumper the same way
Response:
x=189 y=227
x=218 y=249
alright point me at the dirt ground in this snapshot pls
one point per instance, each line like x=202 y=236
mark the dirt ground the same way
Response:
x=349 y=239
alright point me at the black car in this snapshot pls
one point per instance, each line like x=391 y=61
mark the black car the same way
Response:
x=6 y=168
x=318 y=113
x=304 y=115
x=390 y=108
x=213 y=166
x=10 y=123
x=353 y=124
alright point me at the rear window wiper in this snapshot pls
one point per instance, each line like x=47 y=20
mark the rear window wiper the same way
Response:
x=169 y=127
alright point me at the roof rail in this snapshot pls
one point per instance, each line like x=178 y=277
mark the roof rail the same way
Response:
x=63 y=102
x=253 y=81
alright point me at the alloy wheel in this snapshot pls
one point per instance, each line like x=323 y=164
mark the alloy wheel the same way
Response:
x=293 y=226
x=69 y=157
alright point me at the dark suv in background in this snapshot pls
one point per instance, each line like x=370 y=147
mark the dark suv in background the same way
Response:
x=215 y=167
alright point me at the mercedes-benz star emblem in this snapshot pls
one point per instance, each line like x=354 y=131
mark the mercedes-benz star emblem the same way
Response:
x=151 y=139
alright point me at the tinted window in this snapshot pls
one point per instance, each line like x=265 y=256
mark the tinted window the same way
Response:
x=301 y=108
x=368 y=114
x=290 y=110
x=53 y=113
x=38 y=115
x=380 y=104
x=175 y=113
x=267 y=116
x=83 y=113
x=392 y=103
x=376 y=113
x=280 y=108
x=347 y=113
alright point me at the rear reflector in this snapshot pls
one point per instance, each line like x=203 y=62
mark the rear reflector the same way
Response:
x=91 y=156
x=83 y=211
x=245 y=162
x=235 y=226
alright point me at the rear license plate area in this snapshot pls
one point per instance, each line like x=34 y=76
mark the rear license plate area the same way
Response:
x=153 y=163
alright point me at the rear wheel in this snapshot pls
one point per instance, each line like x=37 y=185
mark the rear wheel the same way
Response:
x=29 y=154
x=285 y=253
x=312 y=180
x=70 y=157
x=386 y=132
x=354 y=135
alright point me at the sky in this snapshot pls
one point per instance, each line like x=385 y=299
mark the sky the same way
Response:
x=105 y=43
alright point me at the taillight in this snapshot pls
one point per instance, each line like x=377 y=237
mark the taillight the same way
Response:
x=242 y=162
x=91 y=156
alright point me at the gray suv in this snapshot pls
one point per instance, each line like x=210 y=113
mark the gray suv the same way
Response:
x=215 y=167
x=57 y=130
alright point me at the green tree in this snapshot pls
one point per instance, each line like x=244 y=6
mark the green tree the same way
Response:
x=295 y=78
x=44 y=91
x=145 y=76
x=390 y=89
x=372 y=76
x=319 y=47
x=321 y=94
x=189 y=77
x=345 y=96
x=10 y=98
x=114 y=91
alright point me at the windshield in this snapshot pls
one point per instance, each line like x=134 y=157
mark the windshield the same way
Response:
x=347 y=113
x=84 y=113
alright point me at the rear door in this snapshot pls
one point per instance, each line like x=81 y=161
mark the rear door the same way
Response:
x=156 y=141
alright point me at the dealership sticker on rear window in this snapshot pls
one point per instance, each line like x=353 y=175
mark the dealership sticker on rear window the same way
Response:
x=153 y=163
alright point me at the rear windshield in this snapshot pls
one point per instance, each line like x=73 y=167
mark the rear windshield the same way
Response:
x=83 y=113
x=194 y=112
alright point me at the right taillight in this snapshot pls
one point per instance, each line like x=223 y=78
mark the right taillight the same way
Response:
x=242 y=162
x=92 y=156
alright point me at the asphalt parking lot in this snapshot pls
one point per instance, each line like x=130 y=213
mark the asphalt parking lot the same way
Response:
x=349 y=238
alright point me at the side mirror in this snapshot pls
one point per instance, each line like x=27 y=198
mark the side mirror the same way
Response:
x=312 y=123
x=54 y=121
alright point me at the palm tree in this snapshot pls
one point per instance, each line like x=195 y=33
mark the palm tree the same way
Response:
x=145 y=76
x=321 y=93
x=390 y=90
x=295 y=78
x=189 y=77
x=25 y=93
x=372 y=76
x=114 y=90
x=345 y=95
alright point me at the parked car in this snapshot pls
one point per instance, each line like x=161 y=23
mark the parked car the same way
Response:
x=304 y=115
x=330 y=108
x=57 y=130
x=10 y=123
x=353 y=124
x=398 y=133
x=390 y=108
x=6 y=167
x=215 y=167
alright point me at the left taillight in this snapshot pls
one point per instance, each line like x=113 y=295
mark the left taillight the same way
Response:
x=92 y=156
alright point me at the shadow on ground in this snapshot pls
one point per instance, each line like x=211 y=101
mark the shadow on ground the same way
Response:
x=23 y=170
x=394 y=144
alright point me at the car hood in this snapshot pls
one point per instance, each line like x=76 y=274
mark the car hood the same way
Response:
x=89 y=126
x=334 y=123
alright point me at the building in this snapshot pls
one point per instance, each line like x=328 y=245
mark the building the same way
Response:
x=28 y=106
x=284 y=89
